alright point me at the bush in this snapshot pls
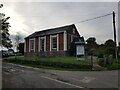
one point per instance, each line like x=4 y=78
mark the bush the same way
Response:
x=119 y=60
x=101 y=61
x=110 y=51
x=100 y=55
x=114 y=66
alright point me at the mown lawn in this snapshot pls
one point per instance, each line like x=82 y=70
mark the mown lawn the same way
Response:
x=67 y=60
x=55 y=63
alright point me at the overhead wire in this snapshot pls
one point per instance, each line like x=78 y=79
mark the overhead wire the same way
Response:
x=94 y=18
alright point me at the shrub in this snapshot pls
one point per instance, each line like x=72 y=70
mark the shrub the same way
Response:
x=101 y=61
x=100 y=55
x=119 y=60
x=114 y=66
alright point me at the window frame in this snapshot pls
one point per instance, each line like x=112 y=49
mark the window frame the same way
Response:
x=52 y=46
x=30 y=49
x=44 y=38
x=51 y=42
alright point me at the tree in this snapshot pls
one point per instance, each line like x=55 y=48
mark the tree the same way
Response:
x=110 y=47
x=4 y=30
x=17 y=41
x=21 y=48
x=91 y=46
x=110 y=43
x=91 y=41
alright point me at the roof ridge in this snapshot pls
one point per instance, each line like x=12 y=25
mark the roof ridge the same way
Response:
x=54 y=28
x=51 y=30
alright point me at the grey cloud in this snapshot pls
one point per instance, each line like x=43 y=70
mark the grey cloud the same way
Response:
x=40 y=16
x=119 y=21
x=22 y=36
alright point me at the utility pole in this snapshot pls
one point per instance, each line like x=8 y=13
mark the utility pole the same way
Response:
x=115 y=35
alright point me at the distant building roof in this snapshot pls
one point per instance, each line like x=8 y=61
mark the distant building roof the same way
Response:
x=52 y=31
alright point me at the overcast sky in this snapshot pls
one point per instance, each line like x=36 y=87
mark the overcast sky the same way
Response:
x=28 y=17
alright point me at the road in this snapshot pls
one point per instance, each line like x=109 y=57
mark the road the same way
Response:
x=17 y=76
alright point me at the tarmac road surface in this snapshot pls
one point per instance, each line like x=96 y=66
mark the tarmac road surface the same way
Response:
x=17 y=76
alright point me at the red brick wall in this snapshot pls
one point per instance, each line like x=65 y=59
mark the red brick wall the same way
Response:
x=48 y=53
x=27 y=45
x=36 y=45
x=48 y=43
x=68 y=40
x=69 y=37
x=61 y=41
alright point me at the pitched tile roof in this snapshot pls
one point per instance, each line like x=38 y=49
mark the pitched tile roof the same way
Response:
x=52 y=31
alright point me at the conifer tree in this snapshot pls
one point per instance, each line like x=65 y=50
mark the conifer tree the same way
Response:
x=4 y=31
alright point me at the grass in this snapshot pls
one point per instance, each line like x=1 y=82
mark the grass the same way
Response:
x=119 y=60
x=67 y=60
x=114 y=66
x=59 y=63
x=55 y=68
x=53 y=63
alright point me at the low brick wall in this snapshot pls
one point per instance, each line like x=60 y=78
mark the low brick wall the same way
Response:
x=47 y=53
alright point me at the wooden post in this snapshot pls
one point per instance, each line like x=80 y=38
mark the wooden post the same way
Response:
x=115 y=35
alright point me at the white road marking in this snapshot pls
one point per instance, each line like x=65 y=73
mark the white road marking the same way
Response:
x=87 y=79
x=62 y=82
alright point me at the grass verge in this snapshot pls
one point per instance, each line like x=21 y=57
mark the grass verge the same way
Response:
x=53 y=63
